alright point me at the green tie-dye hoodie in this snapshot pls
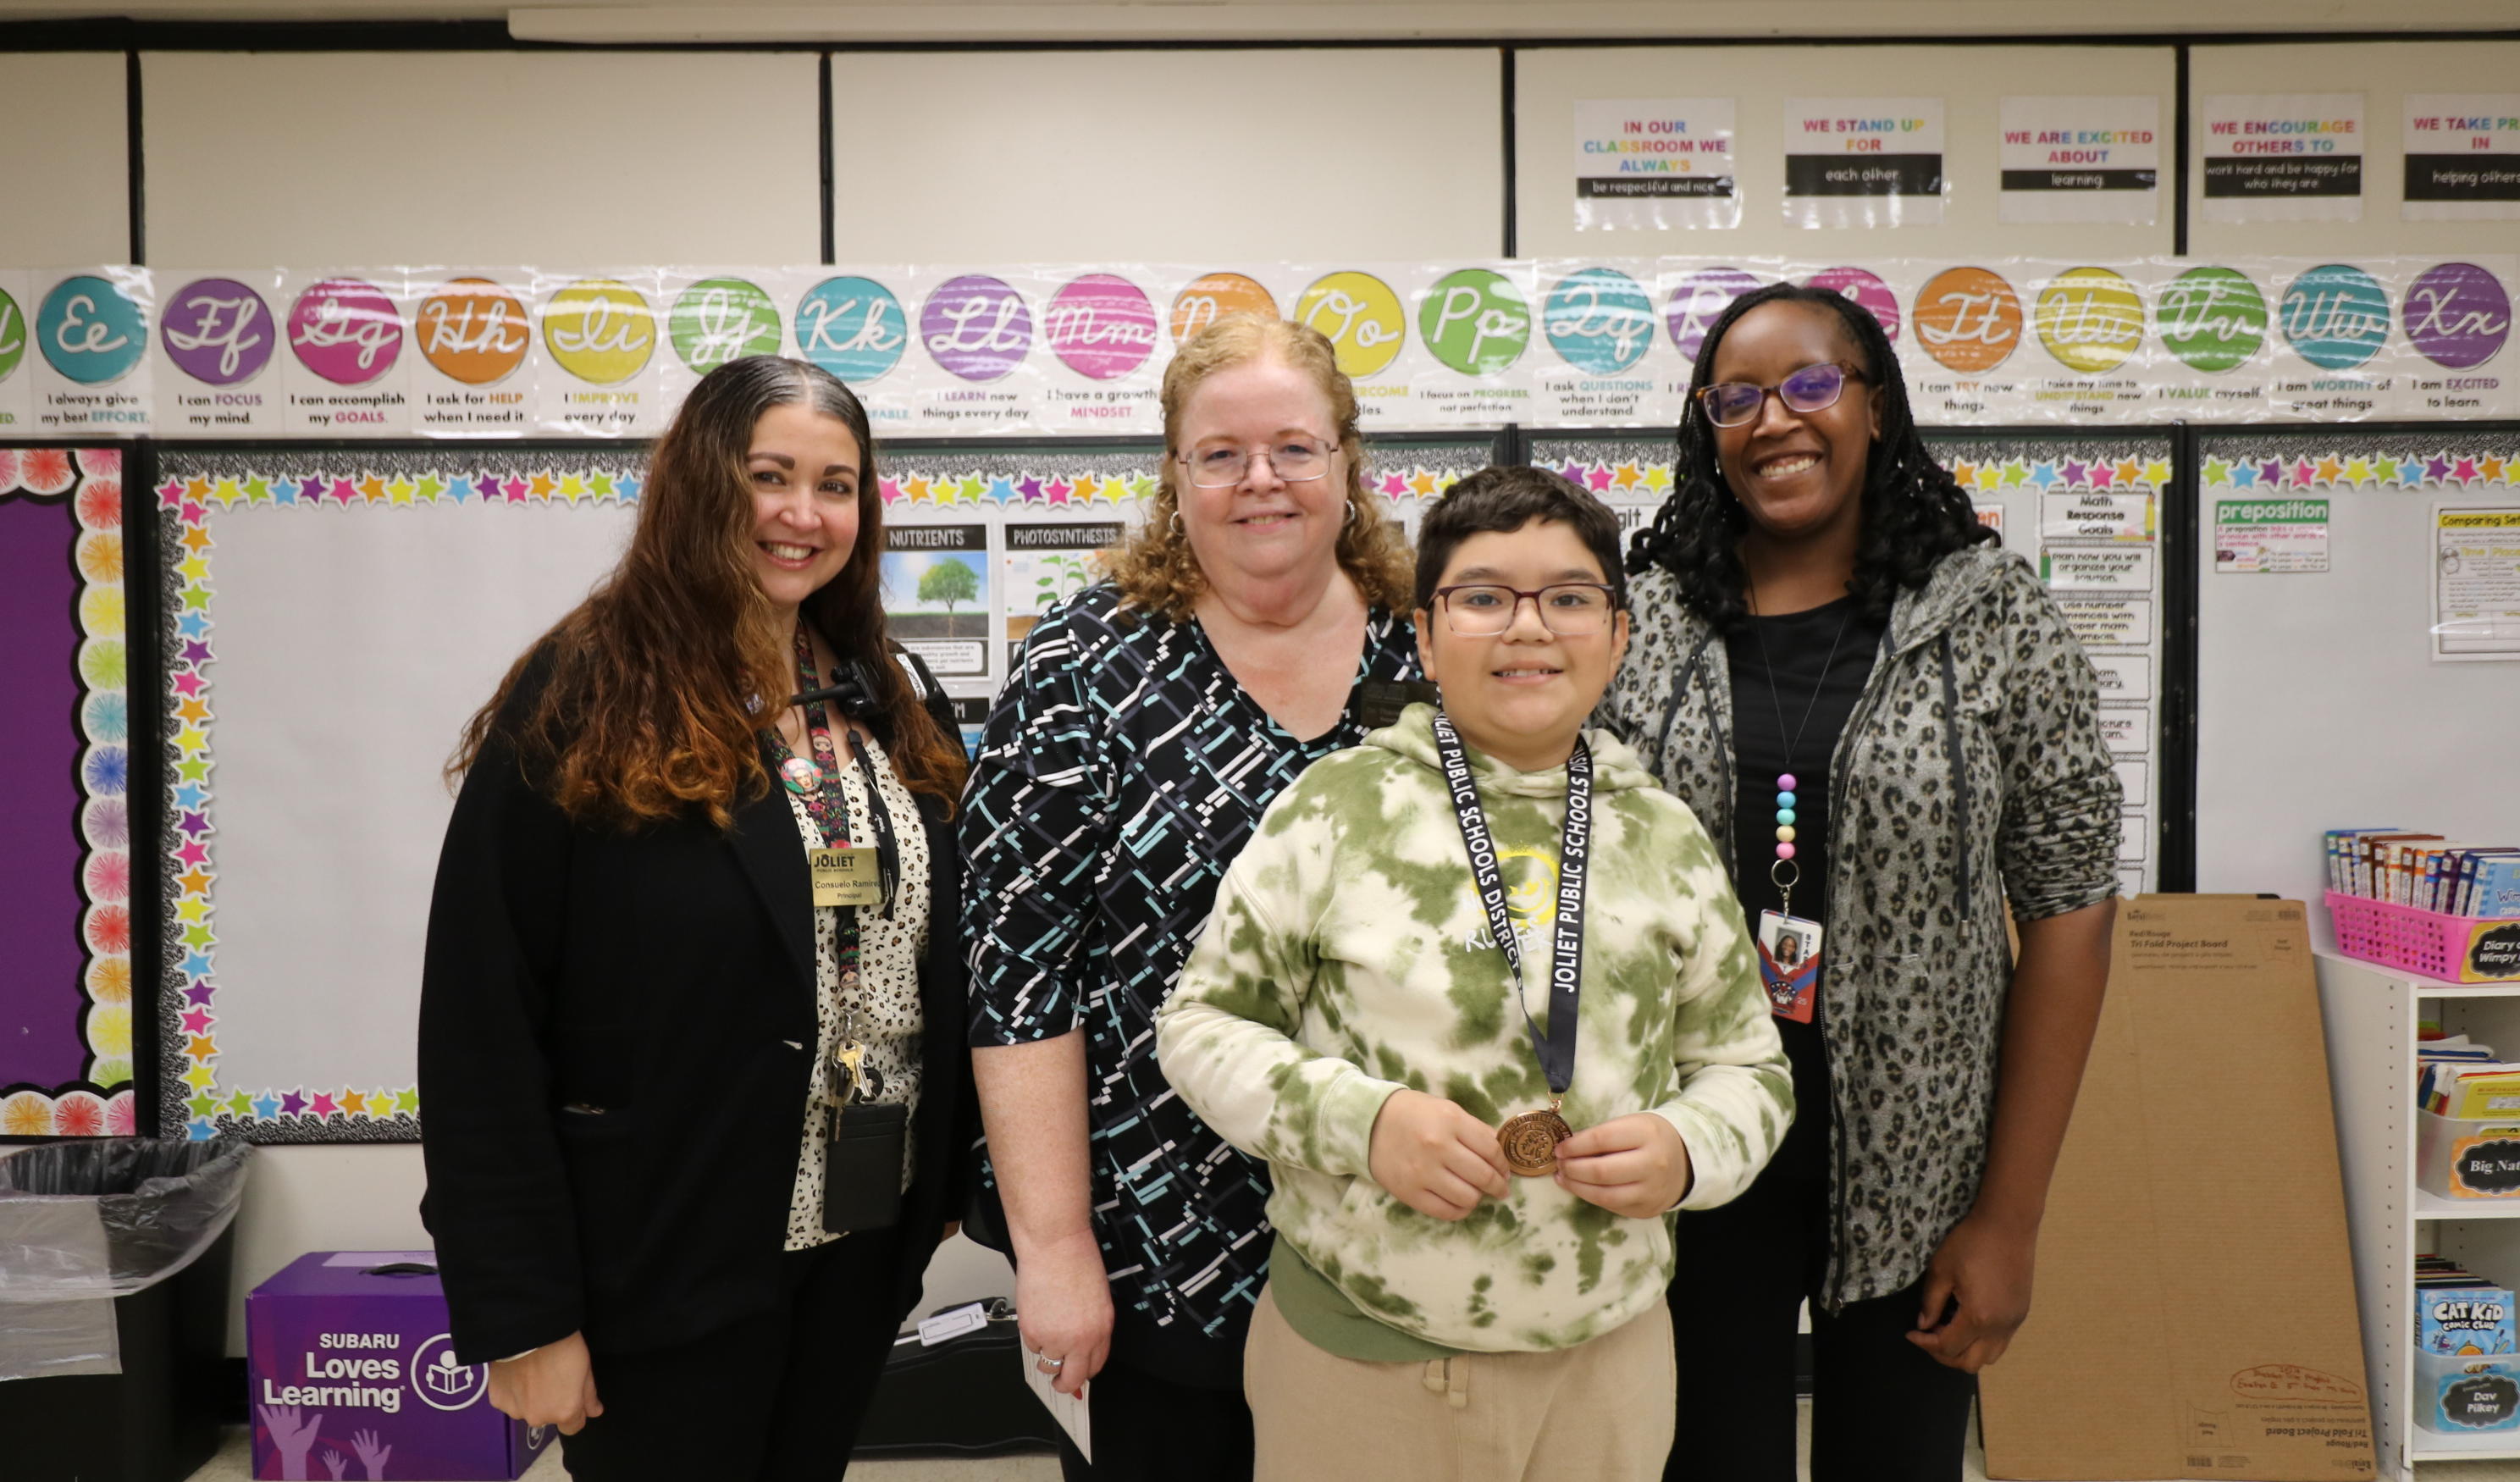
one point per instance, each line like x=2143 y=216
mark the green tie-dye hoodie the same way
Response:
x=1349 y=957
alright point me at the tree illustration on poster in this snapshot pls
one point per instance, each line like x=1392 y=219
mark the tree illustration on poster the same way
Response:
x=65 y=975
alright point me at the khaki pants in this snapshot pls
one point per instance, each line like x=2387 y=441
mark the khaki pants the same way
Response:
x=1598 y=1413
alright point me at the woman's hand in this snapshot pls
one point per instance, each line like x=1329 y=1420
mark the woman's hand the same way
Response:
x=1063 y=1311
x=1985 y=1264
x=553 y=1385
x=1635 y=1165
x=1434 y=1157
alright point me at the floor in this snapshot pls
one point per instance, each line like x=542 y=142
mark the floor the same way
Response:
x=233 y=1464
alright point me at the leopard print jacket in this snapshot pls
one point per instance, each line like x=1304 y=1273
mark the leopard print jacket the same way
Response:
x=1978 y=680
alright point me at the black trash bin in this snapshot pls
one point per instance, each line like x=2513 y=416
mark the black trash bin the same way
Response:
x=115 y=1258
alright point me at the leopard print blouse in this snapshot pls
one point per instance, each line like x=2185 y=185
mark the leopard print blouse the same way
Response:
x=1978 y=667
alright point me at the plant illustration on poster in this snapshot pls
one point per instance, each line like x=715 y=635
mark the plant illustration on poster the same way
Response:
x=65 y=996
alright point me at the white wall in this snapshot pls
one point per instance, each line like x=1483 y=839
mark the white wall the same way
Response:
x=1971 y=81
x=63 y=153
x=1168 y=156
x=311 y=159
x=2384 y=73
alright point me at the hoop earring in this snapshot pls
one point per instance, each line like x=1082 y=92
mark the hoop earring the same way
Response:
x=1351 y=512
x=1176 y=526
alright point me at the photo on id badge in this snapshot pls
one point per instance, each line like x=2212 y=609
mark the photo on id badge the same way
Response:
x=1789 y=964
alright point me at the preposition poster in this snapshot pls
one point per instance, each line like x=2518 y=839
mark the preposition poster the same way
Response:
x=2462 y=156
x=1655 y=164
x=66 y=926
x=2282 y=157
x=2271 y=536
x=2476 y=583
x=2074 y=160
x=1864 y=162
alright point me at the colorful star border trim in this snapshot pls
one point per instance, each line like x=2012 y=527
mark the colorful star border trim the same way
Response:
x=198 y=487
x=100 y=1105
x=1634 y=480
x=1072 y=489
x=2443 y=469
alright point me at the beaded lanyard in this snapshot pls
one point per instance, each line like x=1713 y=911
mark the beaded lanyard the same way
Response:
x=817 y=784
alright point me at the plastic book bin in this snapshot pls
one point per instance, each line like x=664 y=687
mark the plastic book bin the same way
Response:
x=2455 y=948
x=2463 y=1394
x=2458 y=1159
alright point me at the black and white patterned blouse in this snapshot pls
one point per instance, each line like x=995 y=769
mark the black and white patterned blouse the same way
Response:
x=1121 y=771
x=887 y=1018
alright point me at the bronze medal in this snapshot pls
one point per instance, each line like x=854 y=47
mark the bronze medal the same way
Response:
x=1530 y=1142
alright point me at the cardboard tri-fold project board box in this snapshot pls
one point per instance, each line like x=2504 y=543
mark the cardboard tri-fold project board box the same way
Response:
x=2194 y=1314
x=353 y=1375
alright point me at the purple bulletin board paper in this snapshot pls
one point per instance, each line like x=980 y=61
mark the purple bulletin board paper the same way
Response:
x=40 y=851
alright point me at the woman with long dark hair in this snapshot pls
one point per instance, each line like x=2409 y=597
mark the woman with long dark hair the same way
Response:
x=690 y=1051
x=1888 y=722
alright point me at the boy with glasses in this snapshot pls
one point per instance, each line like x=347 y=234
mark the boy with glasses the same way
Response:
x=1482 y=997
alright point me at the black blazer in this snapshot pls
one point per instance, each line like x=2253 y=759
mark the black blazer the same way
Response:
x=667 y=977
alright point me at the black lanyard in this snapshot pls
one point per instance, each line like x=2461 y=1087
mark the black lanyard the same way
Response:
x=1556 y=1052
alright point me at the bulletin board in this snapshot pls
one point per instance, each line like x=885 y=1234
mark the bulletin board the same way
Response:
x=336 y=615
x=2083 y=510
x=2321 y=699
x=66 y=874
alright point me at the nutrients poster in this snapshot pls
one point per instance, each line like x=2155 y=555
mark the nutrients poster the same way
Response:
x=936 y=595
x=2462 y=156
x=2284 y=157
x=2476 y=583
x=2270 y=535
x=1654 y=164
x=2082 y=159
x=1864 y=162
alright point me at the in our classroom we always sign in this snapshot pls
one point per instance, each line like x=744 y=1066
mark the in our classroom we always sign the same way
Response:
x=1079 y=349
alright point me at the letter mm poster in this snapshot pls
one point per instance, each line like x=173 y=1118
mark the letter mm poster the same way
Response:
x=2462 y=158
x=1654 y=164
x=1864 y=162
x=2072 y=159
x=2284 y=157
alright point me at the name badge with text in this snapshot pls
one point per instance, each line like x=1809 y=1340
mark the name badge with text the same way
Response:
x=846 y=877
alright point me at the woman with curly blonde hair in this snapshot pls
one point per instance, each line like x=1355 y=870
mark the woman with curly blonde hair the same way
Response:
x=1149 y=721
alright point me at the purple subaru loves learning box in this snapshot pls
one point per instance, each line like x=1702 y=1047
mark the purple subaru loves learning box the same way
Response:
x=354 y=1375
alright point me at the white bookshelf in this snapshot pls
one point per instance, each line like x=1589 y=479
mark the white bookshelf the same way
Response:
x=2370 y=1013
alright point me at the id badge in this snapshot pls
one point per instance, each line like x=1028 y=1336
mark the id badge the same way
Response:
x=846 y=877
x=1789 y=964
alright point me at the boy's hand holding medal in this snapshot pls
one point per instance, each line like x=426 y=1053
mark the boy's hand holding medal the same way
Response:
x=1433 y=1156
x=1635 y=1165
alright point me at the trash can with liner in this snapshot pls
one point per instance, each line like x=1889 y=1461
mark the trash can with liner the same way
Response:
x=114 y=1257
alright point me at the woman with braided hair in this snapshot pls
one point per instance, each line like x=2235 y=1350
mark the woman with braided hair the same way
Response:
x=1887 y=722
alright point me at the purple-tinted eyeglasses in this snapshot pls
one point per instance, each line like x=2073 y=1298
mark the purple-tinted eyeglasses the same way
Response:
x=1812 y=388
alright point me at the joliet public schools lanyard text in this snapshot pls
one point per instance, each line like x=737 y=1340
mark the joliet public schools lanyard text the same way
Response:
x=1530 y=1141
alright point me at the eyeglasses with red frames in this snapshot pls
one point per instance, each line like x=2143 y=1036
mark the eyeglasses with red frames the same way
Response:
x=1812 y=388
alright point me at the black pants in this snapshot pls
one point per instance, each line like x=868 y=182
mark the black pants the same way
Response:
x=1882 y=1409
x=777 y=1396
x=1147 y=1429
